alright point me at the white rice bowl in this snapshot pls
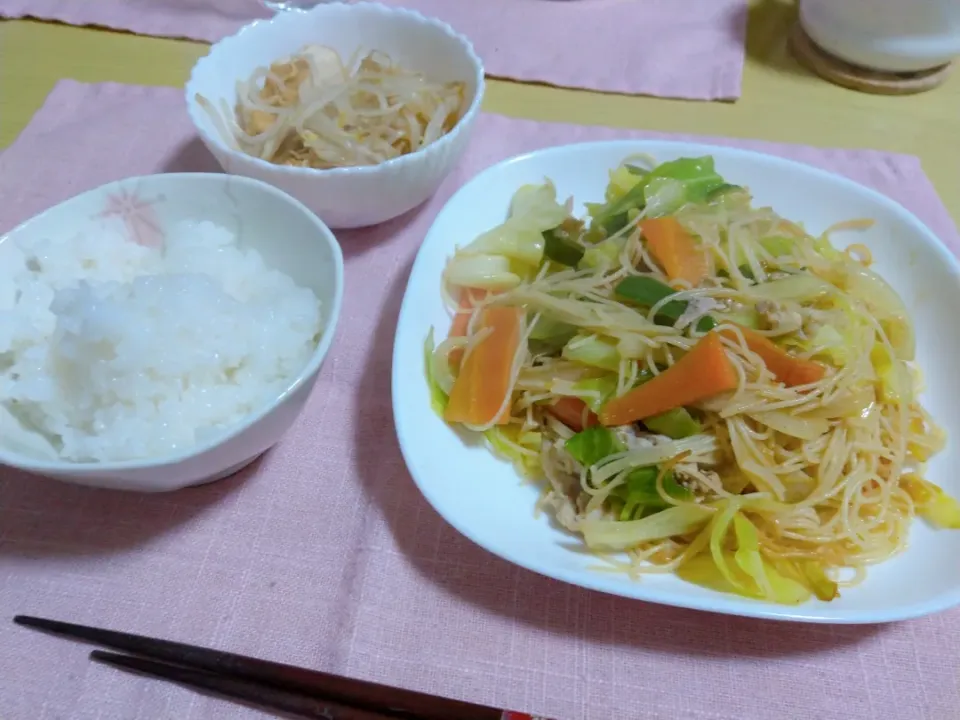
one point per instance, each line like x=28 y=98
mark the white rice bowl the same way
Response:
x=112 y=351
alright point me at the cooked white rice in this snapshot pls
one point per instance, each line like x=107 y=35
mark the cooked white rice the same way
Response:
x=113 y=351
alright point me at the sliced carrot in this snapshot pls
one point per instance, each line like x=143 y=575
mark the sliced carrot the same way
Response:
x=469 y=297
x=675 y=249
x=703 y=372
x=569 y=411
x=789 y=370
x=484 y=379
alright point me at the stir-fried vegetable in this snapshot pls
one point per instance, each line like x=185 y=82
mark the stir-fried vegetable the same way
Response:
x=720 y=190
x=743 y=571
x=648 y=292
x=613 y=216
x=561 y=243
x=803 y=428
x=483 y=385
x=895 y=382
x=778 y=245
x=789 y=370
x=855 y=402
x=828 y=342
x=698 y=175
x=887 y=305
x=938 y=508
x=800 y=288
x=675 y=423
x=549 y=335
x=661 y=191
x=468 y=301
x=622 y=180
x=537 y=206
x=487 y=272
x=702 y=570
x=517 y=445
x=469 y=298
x=675 y=249
x=606 y=535
x=498 y=259
x=696 y=446
x=596 y=391
x=703 y=372
x=438 y=398
x=593 y=351
x=605 y=254
x=815 y=578
x=548 y=328
x=573 y=412
x=592 y=445
x=745 y=317
x=639 y=489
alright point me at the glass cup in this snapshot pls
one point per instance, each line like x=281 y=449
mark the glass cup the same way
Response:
x=886 y=35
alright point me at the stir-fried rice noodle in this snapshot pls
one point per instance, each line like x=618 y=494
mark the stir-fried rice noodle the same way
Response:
x=780 y=491
x=313 y=110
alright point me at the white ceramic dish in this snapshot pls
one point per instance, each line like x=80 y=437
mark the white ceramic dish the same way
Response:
x=344 y=197
x=288 y=236
x=484 y=498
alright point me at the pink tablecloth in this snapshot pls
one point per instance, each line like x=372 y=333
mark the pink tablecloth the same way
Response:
x=325 y=555
x=671 y=48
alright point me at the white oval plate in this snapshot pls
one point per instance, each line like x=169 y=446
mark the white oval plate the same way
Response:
x=484 y=498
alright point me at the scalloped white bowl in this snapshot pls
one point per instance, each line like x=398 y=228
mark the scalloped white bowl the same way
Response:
x=290 y=239
x=485 y=499
x=353 y=196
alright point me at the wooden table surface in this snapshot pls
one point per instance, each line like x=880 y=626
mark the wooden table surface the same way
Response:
x=780 y=102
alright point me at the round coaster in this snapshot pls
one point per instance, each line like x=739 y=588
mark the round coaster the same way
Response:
x=840 y=72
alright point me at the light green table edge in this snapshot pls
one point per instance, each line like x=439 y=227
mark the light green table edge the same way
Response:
x=781 y=102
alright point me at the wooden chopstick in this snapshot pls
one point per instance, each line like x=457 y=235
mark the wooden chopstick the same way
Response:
x=262 y=696
x=358 y=694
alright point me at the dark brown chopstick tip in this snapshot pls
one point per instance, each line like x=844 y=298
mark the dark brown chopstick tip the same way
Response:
x=35 y=622
x=57 y=627
x=104 y=656
x=127 y=662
